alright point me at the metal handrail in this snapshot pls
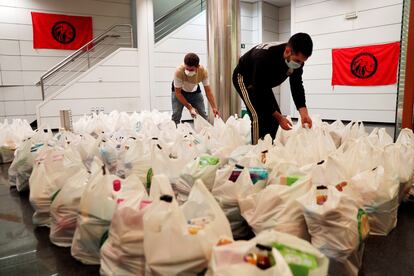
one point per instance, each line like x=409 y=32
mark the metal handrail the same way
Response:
x=163 y=26
x=85 y=48
x=178 y=7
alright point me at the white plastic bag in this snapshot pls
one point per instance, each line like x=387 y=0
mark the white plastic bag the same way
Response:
x=378 y=193
x=123 y=251
x=309 y=146
x=276 y=207
x=45 y=181
x=358 y=156
x=136 y=160
x=398 y=160
x=65 y=205
x=228 y=259
x=337 y=227
x=21 y=167
x=336 y=130
x=96 y=209
x=109 y=151
x=406 y=137
x=229 y=192
x=203 y=167
x=170 y=160
x=88 y=149
x=353 y=131
x=11 y=136
x=171 y=246
x=200 y=124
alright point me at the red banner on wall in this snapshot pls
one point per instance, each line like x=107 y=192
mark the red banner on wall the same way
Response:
x=58 y=31
x=367 y=65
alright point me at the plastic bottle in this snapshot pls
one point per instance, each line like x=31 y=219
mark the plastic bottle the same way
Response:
x=116 y=193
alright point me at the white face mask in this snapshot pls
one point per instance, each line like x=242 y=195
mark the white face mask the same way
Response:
x=190 y=73
x=292 y=64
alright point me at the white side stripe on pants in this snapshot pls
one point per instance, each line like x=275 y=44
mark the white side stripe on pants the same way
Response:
x=255 y=123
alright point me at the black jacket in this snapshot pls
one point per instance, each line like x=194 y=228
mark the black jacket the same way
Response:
x=264 y=67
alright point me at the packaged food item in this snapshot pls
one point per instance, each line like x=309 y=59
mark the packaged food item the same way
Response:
x=300 y=263
x=250 y=258
x=193 y=229
x=321 y=195
x=117 y=196
x=263 y=156
x=256 y=173
x=208 y=161
x=224 y=241
x=261 y=257
x=264 y=257
x=289 y=180
x=340 y=186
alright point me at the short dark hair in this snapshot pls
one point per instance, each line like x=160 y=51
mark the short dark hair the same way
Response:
x=301 y=43
x=191 y=59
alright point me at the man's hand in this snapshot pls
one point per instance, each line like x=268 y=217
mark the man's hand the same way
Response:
x=216 y=112
x=193 y=112
x=305 y=118
x=285 y=123
x=282 y=120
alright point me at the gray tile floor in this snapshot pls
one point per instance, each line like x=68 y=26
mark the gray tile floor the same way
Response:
x=26 y=250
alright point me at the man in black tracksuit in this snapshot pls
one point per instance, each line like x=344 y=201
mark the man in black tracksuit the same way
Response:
x=264 y=67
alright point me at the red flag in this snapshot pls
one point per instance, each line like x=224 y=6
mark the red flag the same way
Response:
x=58 y=31
x=367 y=65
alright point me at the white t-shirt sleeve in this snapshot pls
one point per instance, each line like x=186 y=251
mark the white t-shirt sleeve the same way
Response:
x=206 y=81
x=178 y=83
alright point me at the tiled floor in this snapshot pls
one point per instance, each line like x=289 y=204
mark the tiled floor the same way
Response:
x=25 y=250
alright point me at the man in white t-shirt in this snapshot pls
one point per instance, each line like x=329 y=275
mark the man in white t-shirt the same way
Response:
x=186 y=89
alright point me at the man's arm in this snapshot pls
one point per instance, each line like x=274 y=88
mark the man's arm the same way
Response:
x=182 y=99
x=211 y=100
x=298 y=95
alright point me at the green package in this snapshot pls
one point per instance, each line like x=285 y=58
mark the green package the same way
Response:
x=150 y=174
x=54 y=195
x=291 y=179
x=299 y=262
x=208 y=161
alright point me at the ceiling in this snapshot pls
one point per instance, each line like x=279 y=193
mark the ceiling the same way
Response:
x=278 y=3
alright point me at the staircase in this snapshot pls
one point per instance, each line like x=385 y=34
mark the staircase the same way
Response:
x=176 y=17
x=84 y=58
x=58 y=82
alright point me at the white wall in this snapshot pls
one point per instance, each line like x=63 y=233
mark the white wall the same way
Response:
x=21 y=66
x=270 y=30
x=270 y=22
x=284 y=23
x=250 y=25
x=285 y=97
x=379 y=21
x=114 y=83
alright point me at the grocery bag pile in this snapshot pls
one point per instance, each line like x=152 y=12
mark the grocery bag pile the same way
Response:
x=141 y=196
x=12 y=134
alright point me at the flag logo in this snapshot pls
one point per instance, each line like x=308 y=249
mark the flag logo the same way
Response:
x=364 y=65
x=63 y=32
x=60 y=31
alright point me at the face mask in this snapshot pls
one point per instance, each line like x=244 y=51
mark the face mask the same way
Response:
x=189 y=73
x=292 y=64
